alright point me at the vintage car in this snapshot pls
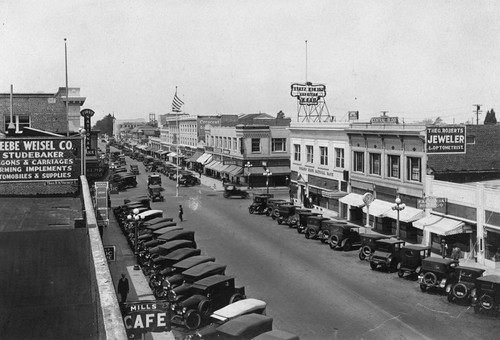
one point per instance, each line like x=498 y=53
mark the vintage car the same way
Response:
x=272 y=203
x=154 y=192
x=168 y=247
x=259 y=204
x=154 y=179
x=150 y=229
x=125 y=181
x=206 y=295
x=158 y=270
x=411 y=259
x=313 y=225
x=387 y=254
x=144 y=199
x=231 y=190
x=244 y=327
x=326 y=228
x=368 y=244
x=148 y=160
x=436 y=273
x=277 y=334
x=160 y=236
x=344 y=236
x=275 y=213
x=177 y=285
x=188 y=180
x=302 y=223
x=285 y=213
x=460 y=291
x=486 y=295
x=134 y=168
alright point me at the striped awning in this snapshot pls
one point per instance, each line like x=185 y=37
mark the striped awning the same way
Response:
x=408 y=214
x=194 y=157
x=213 y=165
x=442 y=225
x=378 y=208
x=352 y=199
x=229 y=169
x=204 y=159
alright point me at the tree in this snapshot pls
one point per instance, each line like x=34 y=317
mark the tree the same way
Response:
x=105 y=125
x=490 y=118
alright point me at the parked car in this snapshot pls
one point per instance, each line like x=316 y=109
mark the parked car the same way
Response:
x=154 y=192
x=313 y=226
x=437 y=273
x=188 y=180
x=178 y=285
x=486 y=295
x=302 y=223
x=460 y=291
x=206 y=295
x=134 y=168
x=259 y=204
x=387 y=254
x=275 y=213
x=231 y=190
x=245 y=327
x=344 y=236
x=272 y=203
x=285 y=213
x=326 y=229
x=166 y=261
x=368 y=244
x=125 y=181
x=154 y=179
x=411 y=259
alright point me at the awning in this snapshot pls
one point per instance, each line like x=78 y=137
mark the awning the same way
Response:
x=236 y=171
x=163 y=152
x=222 y=167
x=213 y=165
x=194 y=157
x=442 y=225
x=256 y=170
x=205 y=158
x=379 y=208
x=172 y=154
x=408 y=214
x=229 y=169
x=279 y=170
x=352 y=199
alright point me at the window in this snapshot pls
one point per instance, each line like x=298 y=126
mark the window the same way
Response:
x=20 y=122
x=255 y=144
x=235 y=143
x=229 y=143
x=393 y=166
x=309 y=154
x=296 y=152
x=323 y=155
x=375 y=164
x=414 y=169
x=359 y=161
x=339 y=158
x=278 y=144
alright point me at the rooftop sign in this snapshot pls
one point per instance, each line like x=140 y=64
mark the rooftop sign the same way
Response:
x=445 y=139
x=308 y=93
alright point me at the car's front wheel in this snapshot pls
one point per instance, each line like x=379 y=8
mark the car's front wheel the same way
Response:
x=192 y=320
x=373 y=265
x=401 y=273
x=362 y=256
x=310 y=233
x=423 y=287
x=334 y=241
x=430 y=279
x=251 y=210
x=236 y=297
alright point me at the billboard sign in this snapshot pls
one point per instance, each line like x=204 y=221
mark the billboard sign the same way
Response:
x=308 y=93
x=40 y=159
x=445 y=139
x=431 y=202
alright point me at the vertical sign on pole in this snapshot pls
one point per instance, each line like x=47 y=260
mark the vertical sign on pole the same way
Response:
x=87 y=114
x=101 y=203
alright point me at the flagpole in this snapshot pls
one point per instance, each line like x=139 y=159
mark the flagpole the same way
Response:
x=178 y=135
x=66 y=71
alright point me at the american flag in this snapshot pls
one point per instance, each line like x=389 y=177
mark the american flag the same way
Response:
x=176 y=103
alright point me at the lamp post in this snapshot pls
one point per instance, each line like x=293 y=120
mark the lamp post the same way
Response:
x=83 y=135
x=135 y=219
x=267 y=174
x=248 y=166
x=398 y=207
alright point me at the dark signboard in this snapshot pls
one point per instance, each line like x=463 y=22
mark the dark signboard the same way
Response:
x=87 y=115
x=445 y=139
x=101 y=203
x=40 y=159
x=146 y=316
x=308 y=93
x=110 y=252
x=384 y=120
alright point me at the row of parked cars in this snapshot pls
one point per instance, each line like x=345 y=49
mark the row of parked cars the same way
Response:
x=206 y=303
x=462 y=284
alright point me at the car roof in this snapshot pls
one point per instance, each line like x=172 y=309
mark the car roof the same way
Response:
x=374 y=236
x=416 y=247
x=158 y=220
x=149 y=213
x=166 y=229
x=212 y=280
x=202 y=269
x=316 y=217
x=173 y=232
x=193 y=261
x=471 y=269
x=182 y=253
x=489 y=278
x=390 y=241
x=237 y=308
x=161 y=225
x=246 y=324
x=435 y=259
x=173 y=244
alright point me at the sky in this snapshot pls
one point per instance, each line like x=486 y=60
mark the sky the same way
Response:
x=414 y=59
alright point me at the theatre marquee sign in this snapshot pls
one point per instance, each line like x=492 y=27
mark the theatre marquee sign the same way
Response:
x=50 y=160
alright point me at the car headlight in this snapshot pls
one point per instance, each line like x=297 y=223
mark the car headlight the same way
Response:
x=443 y=283
x=473 y=293
x=448 y=288
x=184 y=310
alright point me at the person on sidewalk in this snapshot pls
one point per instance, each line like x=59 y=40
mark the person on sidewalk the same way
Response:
x=181 y=213
x=455 y=253
x=123 y=288
x=444 y=248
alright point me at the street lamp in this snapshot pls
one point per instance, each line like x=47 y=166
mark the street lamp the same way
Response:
x=267 y=174
x=398 y=207
x=83 y=135
x=248 y=166
x=135 y=218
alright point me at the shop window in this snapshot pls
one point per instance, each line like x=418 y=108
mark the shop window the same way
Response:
x=255 y=144
x=309 y=154
x=359 y=161
x=296 y=152
x=414 y=169
x=323 y=155
x=393 y=166
x=375 y=163
x=339 y=158
x=278 y=144
x=492 y=245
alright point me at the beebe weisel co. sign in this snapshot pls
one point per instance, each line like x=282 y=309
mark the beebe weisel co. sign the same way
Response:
x=445 y=139
x=39 y=159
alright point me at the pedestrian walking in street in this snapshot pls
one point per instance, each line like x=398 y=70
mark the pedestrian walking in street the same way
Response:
x=123 y=288
x=181 y=213
x=444 y=248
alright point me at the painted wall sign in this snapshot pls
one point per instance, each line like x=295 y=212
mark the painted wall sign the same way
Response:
x=384 y=120
x=40 y=159
x=445 y=139
x=308 y=93
x=150 y=316
x=431 y=202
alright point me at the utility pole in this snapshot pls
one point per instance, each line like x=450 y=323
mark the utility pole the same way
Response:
x=478 y=106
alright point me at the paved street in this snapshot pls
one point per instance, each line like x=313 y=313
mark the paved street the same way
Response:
x=311 y=290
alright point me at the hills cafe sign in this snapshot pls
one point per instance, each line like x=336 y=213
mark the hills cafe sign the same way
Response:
x=308 y=93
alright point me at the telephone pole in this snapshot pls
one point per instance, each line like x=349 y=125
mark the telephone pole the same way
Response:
x=478 y=106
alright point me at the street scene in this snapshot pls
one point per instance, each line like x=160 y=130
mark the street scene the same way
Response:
x=254 y=170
